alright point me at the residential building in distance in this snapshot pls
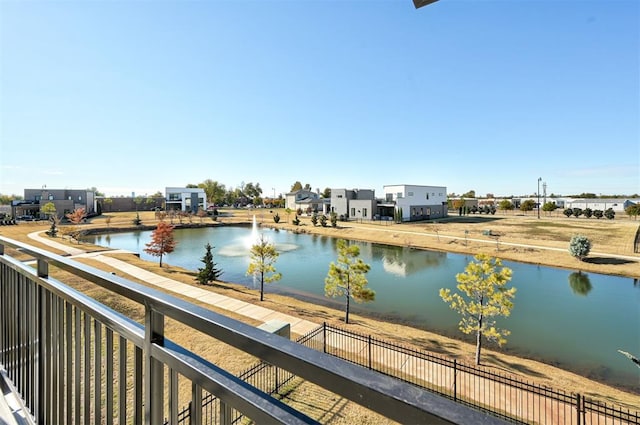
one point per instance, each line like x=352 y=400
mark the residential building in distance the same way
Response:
x=64 y=200
x=306 y=200
x=354 y=204
x=417 y=202
x=185 y=199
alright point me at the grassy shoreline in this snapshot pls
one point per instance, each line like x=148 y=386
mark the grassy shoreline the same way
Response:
x=522 y=367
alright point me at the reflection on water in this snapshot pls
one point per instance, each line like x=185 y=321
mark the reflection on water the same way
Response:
x=551 y=321
x=580 y=283
x=404 y=261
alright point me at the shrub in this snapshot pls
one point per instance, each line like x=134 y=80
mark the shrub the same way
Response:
x=137 y=221
x=296 y=221
x=276 y=218
x=323 y=220
x=334 y=219
x=579 y=247
x=588 y=212
x=610 y=213
x=598 y=214
x=314 y=219
x=577 y=212
x=568 y=212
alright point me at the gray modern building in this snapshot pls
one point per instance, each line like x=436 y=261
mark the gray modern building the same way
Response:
x=354 y=203
x=64 y=200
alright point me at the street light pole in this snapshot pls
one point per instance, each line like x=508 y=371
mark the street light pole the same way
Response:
x=539 y=180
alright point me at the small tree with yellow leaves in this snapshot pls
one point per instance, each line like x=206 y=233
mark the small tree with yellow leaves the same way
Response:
x=261 y=266
x=483 y=285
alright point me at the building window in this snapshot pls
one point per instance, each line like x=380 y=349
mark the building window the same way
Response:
x=364 y=212
x=409 y=193
x=174 y=197
x=339 y=196
x=50 y=197
x=399 y=195
x=353 y=212
x=427 y=195
x=37 y=198
x=79 y=197
x=440 y=194
x=69 y=198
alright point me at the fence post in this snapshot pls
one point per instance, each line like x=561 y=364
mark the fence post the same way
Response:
x=277 y=383
x=324 y=337
x=455 y=380
x=369 y=351
x=578 y=408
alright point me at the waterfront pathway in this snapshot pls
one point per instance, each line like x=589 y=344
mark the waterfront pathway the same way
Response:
x=474 y=388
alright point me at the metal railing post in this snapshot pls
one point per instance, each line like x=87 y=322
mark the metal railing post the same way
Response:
x=154 y=370
x=455 y=380
x=196 y=406
x=226 y=414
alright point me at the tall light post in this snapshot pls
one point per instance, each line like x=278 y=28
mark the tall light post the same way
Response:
x=539 y=180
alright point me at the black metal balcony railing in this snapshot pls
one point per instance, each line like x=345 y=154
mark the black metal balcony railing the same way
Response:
x=74 y=360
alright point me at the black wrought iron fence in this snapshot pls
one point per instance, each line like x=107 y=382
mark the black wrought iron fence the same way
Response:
x=72 y=359
x=503 y=395
x=264 y=376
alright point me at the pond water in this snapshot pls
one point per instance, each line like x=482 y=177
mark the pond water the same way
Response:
x=574 y=320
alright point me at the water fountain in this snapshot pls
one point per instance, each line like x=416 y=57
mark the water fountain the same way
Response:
x=242 y=247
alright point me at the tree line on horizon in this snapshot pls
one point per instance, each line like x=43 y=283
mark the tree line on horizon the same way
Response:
x=218 y=193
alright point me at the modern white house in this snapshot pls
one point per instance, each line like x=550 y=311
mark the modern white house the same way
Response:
x=417 y=202
x=185 y=199
x=354 y=204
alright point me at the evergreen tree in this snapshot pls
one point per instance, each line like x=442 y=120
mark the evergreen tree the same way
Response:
x=209 y=272
x=346 y=278
x=334 y=219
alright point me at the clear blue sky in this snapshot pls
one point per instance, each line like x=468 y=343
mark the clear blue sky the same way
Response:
x=133 y=96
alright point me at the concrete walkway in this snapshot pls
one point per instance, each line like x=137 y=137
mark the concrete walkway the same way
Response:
x=298 y=326
x=472 y=387
x=13 y=413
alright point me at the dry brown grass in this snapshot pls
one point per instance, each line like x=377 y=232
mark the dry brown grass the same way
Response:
x=613 y=237
x=530 y=370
